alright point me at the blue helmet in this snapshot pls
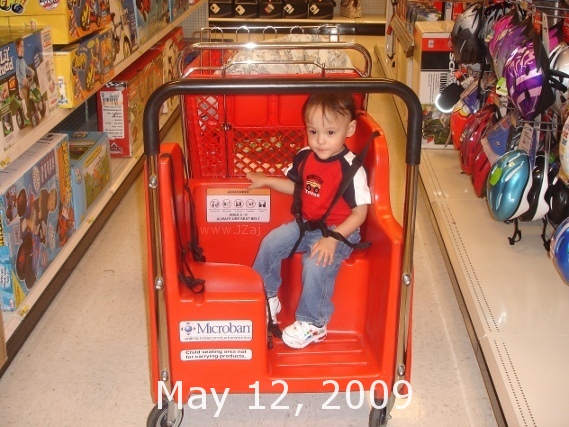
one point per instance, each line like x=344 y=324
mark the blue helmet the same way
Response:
x=559 y=250
x=508 y=185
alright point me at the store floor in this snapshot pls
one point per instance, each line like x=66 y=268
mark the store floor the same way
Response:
x=86 y=362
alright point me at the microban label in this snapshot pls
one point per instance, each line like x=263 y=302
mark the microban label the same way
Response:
x=216 y=330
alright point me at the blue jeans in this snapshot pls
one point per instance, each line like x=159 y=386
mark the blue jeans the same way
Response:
x=315 y=305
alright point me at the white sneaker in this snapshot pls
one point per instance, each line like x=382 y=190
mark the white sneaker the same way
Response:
x=300 y=334
x=275 y=308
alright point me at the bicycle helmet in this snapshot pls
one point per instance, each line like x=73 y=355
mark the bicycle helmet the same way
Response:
x=469 y=145
x=559 y=250
x=466 y=44
x=558 y=196
x=508 y=185
x=511 y=19
x=491 y=14
x=514 y=38
x=499 y=138
x=527 y=80
x=555 y=35
x=538 y=204
x=559 y=60
x=480 y=171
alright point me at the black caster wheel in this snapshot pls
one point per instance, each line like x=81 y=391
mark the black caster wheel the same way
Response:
x=158 y=417
x=378 y=417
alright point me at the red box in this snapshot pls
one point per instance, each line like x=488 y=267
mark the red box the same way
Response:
x=121 y=102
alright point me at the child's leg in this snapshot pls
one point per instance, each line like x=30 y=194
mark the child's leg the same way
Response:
x=275 y=247
x=315 y=305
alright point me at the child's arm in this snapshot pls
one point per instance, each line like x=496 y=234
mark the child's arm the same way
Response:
x=325 y=248
x=259 y=179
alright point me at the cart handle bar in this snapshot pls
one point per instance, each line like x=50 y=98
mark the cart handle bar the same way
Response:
x=209 y=86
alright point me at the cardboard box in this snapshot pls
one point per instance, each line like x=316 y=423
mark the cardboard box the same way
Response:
x=271 y=9
x=246 y=9
x=433 y=67
x=35 y=216
x=221 y=8
x=70 y=20
x=320 y=9
x=40 y=83
x=80 y=70
x=123 y=33
x=174 y=8
x=295 y=9
x=120 y=103
x=169 y=48
x=90 y=164
x=148 y=15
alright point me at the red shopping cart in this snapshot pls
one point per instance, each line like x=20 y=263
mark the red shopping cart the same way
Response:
x=217 y=338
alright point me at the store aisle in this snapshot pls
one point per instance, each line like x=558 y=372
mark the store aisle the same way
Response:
x=86 y=362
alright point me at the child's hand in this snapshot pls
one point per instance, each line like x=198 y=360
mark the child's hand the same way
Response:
x=324 y=250
x=257 y=179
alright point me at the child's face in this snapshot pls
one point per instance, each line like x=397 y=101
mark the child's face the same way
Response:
x=20 y=49
x=327 y=133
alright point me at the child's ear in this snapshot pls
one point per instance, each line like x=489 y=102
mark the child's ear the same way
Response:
x=351 y=128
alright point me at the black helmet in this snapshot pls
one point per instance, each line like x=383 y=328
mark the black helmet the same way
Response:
x=467 y=47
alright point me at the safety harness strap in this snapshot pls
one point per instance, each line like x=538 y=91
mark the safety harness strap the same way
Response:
x=305 y=226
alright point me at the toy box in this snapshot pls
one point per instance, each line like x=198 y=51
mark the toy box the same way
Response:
x=120 y=103
x=79 y=69
x=295 y=9
x=90 y=164
x=70 y=20
x=35 y=215
x=38 y=87
x=271 y=9
x=172 y=9
x=246 y=9
x=148 y=15
x=321 y=9
x=433 y=67
x=123 y=35
x=221 y=8
x=169 y=48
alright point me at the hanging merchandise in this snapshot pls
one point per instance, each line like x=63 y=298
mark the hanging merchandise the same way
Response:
x=491 y=15
x=527 y=79
x=467 y=46
x=501 y=138
x=508 y=185
x=559 y=250
x=558 y=195
x=499 y=30
x=351 y=8
x=514 y=38
x=469 y=103
x=559 y=60
x=473 y=134
x=537 y=195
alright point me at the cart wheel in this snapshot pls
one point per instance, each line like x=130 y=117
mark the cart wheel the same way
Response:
x=158 y=417
x=378 y=417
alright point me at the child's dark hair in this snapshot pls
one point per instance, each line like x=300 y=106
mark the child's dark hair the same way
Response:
x=334 y=103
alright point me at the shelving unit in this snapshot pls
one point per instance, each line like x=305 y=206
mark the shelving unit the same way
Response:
x=515 y=305
x=19 y=324
x=371 y=23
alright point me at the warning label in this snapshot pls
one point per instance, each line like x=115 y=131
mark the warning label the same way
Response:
x=238 y=205
x=217 y=354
